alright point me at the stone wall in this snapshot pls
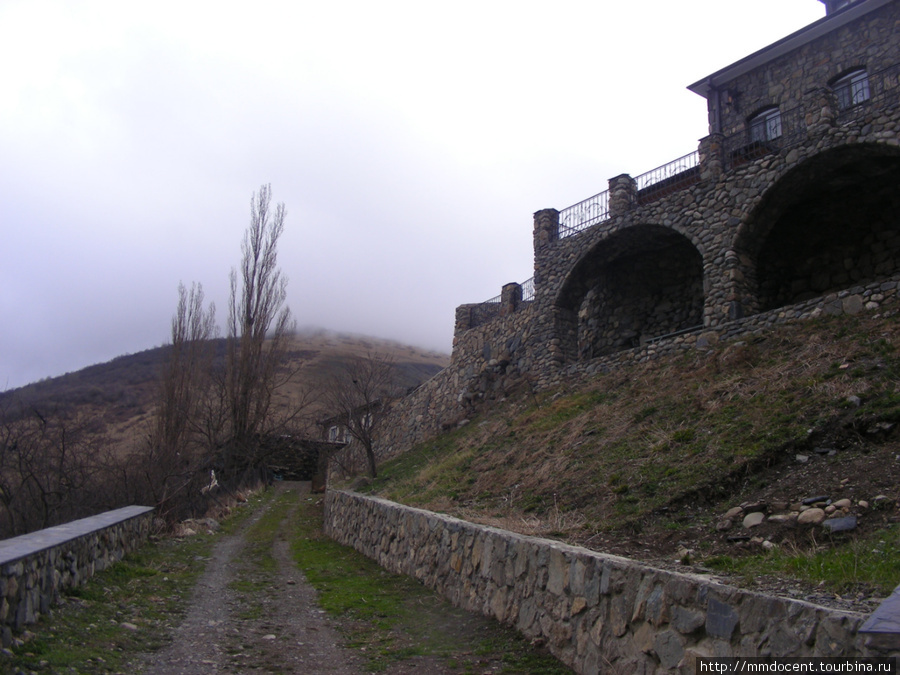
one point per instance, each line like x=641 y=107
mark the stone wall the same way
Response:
x=637 y=296
x=871 y=42
x=35 y=568
x=488 y=359
x=819 y=252
x=880 y=297
x=596 y=612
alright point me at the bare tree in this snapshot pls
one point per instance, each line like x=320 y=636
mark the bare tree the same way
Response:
x=181 y=439
x=50 y=472
x=259 y=326
x=358 y=396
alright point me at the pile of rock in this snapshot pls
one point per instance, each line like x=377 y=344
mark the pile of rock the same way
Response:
x=839 y=515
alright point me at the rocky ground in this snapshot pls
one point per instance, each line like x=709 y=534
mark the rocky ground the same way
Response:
x=844 y=489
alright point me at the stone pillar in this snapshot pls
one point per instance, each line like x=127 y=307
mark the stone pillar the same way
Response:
x=510 y=298
x=735 y=276
x=546 y=233
x=546 y=227
x=711 y=165
x=622 y=194
x=463 y=319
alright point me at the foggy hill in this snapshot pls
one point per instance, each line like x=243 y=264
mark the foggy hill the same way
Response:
x=118 y=396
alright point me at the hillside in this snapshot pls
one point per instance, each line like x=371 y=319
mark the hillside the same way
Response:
x=117 y=396
x=647 y=461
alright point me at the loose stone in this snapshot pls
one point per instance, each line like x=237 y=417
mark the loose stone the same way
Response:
x=811 y=516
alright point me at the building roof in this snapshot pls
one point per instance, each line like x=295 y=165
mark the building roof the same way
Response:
x=787 y=44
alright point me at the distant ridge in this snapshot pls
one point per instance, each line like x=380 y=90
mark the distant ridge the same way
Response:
x=118 y=395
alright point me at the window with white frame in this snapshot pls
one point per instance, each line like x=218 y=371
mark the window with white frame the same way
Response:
x=765 y=125
x=851 y=88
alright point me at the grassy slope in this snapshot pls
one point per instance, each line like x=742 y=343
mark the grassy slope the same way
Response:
x=646 y=450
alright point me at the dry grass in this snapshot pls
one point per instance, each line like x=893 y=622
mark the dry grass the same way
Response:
x=607 y=451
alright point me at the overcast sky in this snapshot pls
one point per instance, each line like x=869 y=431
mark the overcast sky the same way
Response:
x=410 y=142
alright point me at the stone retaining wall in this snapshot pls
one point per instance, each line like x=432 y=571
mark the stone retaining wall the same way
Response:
x=878 y=297
x=35 y=568
x=597 y=613
x=495 y=359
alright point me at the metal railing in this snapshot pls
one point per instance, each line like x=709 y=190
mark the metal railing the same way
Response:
x=668 y=178
x=682 y=331
x=676 y=175
x=747 y=144
x=528 y=290
x=484 y=312
x=488 y=310
x=582 y=215
x=882 y=89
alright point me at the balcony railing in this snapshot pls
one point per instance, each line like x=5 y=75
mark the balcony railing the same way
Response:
x=528 y=290
x=484 y=312
x=488 y=310
x=668 y=178
x=582 y=215
x=655 y=184
x=754 y=142
x=881 y=89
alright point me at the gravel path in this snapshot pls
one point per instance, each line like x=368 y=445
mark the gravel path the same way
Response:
x=233 y=627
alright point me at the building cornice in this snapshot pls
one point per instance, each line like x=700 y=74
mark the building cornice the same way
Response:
x=787 y=44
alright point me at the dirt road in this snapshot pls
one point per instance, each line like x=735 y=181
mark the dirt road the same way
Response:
x=252 y=611
x=245 y=617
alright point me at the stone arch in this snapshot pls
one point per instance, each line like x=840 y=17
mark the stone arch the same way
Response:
x=637 y=283
x=831 y=223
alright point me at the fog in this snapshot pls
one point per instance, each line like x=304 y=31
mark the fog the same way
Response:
x=410 y=142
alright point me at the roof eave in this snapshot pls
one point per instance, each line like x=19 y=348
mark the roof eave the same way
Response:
x=793 y=41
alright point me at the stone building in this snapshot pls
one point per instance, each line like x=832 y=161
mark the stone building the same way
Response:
x=788 y=208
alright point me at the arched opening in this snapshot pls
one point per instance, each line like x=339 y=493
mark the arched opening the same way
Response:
x=640 y=283
x=832 y=223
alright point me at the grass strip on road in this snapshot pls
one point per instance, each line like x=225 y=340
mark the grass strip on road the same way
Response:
x=393 y=617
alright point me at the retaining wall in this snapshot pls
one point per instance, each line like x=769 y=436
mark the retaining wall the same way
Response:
x=597 y=613
x=496 y=360
x=36 y=567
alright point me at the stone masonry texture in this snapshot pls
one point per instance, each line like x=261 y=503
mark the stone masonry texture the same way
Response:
x=596 y=612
